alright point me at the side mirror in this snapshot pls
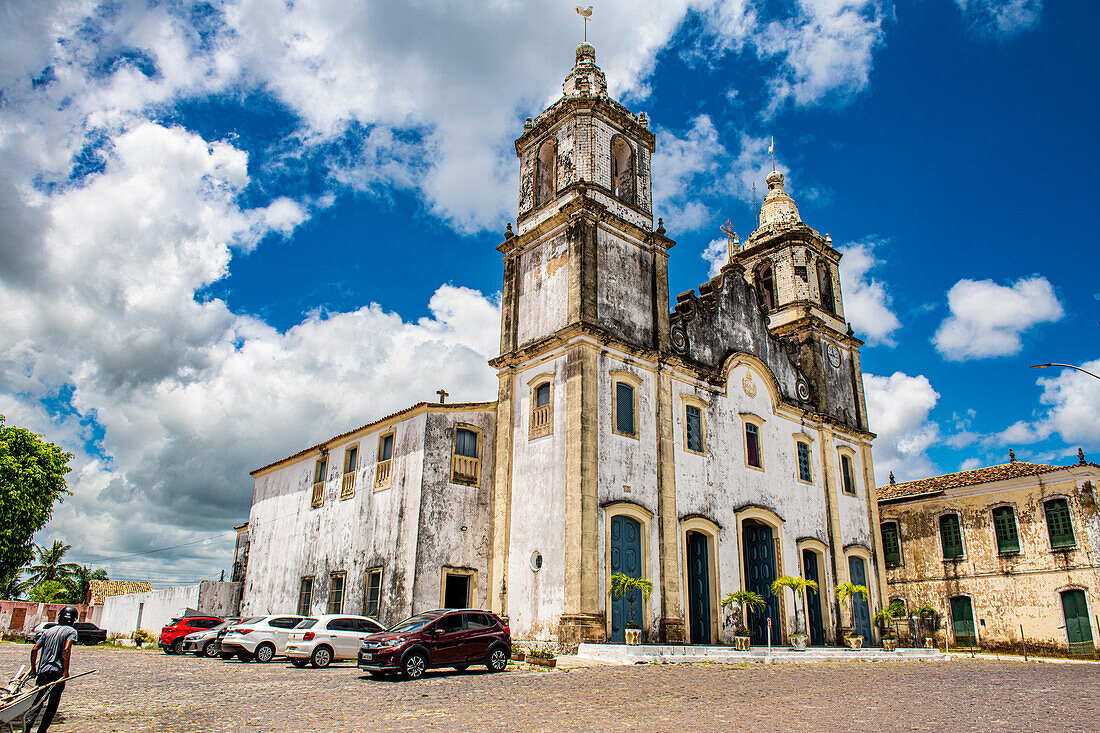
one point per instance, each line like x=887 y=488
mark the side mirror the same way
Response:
x=437 y=631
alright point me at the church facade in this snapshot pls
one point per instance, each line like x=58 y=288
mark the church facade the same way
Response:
x=709 y=449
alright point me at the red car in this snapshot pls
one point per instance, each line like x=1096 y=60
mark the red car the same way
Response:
x=171 y=636
x=442 y=638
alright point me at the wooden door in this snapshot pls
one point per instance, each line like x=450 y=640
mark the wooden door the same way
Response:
x=1078 y=628
x=813 y=599
x=962 y=621
x=626 y=558
x=861 y=611
x=699 y=587
x=759 y=576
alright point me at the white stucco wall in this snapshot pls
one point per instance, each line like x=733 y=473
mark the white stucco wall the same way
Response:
x=155 y=609
x=543 y=288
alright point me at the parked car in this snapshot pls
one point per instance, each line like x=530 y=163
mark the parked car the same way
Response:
x=329 y=637
x=205 y=643
x=230 y=653
x=86 y=633
x=262 y=639
x=440 y=638
x=172 y=635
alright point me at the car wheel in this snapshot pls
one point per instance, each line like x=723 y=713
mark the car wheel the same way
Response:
x=462 y=667
x=299 y=663
x=177 y=646
x=497 y=661
x=167 y=650
x=414 y=665
x=322 y=656
x=226 y=655
x=210 y=649
x=265 y=653
x=244 y=656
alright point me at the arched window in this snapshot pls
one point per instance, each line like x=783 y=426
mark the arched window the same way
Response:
x=825 y=285
x=546 y=173
x=622 y=169
x=765 y=287
x=542 y=411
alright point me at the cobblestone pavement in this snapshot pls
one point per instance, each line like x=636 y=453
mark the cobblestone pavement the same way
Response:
x=150 y=691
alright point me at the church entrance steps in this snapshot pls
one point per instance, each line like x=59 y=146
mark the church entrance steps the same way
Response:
x=642 y=654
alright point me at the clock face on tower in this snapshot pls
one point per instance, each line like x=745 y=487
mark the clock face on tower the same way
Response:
x=833 y=354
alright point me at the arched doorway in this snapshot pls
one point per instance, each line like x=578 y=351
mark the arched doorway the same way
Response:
x=626 y=558
x=759 y=576
x=814 y=620
x=861 y=611
x=698 y=561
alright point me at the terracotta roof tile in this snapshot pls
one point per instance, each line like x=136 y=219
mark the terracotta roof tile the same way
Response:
x=101 y=590
x=938 y=484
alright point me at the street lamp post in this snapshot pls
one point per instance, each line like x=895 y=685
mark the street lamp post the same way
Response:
x=1067 y=366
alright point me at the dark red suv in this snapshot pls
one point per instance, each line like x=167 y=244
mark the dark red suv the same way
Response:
x=171 y=636
x=442 y=638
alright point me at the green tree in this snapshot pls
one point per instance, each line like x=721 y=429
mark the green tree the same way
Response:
x=745 y=600
x=624 y=585
x=50 y=565
x=798 y=586
x=80 y=581
x=32 y=478
x=12 y=586
x=50 y=591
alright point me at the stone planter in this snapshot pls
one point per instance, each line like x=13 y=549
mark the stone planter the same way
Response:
x=540 y=662
x=799 y=642
x=633 y=637
x=855 y=643
x=519 y=656
x=889 y=645
x=741 y=643
x=928 y=642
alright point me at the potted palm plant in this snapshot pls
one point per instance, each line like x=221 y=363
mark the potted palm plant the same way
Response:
x=929 y=621
x=845 y=592
x=744 y=601
x=885 y=620
x=624 y=585
x=799 y=639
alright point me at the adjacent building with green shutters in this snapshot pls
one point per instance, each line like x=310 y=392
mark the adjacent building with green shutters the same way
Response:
x=999 y=552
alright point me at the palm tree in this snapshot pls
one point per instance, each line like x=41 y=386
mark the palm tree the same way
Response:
x=80 y=581
x=49 y=565
x=12 y=588
x=745 y=600
x=846 y=591
x=798 y=586
x=623 y=584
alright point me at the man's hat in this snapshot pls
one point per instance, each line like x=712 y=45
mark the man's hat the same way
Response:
x=67 y=616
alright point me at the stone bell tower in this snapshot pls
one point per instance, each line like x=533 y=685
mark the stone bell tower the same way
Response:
x=584 y=270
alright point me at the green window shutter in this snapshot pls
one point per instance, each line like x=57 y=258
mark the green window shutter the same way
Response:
x=891 y=543
x=804 y=471
x=694 y=429
x=1058 y=523
x=951 y=536
x=624 y=408
x=1004 y=525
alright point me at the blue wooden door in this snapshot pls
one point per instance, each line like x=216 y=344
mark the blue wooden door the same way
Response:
x=626 y=557
x=699 y=587
x=759 y=576
x=861 y=612
x=813 y=599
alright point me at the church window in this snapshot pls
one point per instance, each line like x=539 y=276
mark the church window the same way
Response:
x=383 y=467
x=622 y=169
x=1004 y=527
x=336 y=592
x=1059 y=526
x=752 y=445
x=465 y=457
x=951 y=537
x=846 y=475
x=825 y=285
x=805 y=470
x=542 y=410
x=373 y=593
x=305 y=596
x=891 y=543
x=624 y=409
x=765 y=287
x=546 y=173
x=351 y=463
x=693 y=428
x=319 y=470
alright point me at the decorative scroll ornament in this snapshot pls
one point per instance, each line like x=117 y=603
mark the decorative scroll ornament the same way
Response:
x=803 y=391
x=679 y=339
x=748 y=385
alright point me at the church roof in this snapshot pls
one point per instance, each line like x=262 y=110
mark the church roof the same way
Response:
x=101 y=590
x=938 y=484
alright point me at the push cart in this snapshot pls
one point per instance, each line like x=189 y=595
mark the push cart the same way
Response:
x=21 y=700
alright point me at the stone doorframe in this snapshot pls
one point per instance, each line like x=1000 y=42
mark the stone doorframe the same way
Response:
x=825 y=584
x=644 y=517
x=710 y=530
x=773 y=520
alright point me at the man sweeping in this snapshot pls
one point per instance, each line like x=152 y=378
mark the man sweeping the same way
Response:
x=50 y=660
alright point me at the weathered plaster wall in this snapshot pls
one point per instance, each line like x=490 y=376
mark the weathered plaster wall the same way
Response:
x=219 y=598
x=36 y=613
x=1008 y=590
x=536 y=598
x=155 y=608
x=544 y=288
x=624 y=287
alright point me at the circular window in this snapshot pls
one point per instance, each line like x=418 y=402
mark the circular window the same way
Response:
x=536 y=561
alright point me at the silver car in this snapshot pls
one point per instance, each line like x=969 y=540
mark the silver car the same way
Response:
x=205 y=643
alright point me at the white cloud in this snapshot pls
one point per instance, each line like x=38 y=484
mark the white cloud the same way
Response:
x=1073 y=405
x=679 y=162
x=866 y=302
x=970 y=463
x=1001 y=17
x=717 y=254
x=989 y=320
x=898 y=407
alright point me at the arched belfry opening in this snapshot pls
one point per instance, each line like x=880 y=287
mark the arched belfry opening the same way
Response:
x=622 y=169
x=825 y=286
x=546 y=173
x=765 y=287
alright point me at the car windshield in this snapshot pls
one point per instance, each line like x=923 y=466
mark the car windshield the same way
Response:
x=306 y=623
x=416 y=623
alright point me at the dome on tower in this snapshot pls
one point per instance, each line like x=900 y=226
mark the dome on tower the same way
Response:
x=586 y=79
x=778 y=208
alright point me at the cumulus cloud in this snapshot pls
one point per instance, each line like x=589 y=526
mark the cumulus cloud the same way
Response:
x=1001 y=17
x=1072 y=406
x=898 y=408
x=988 y=319
x=681 y=161
x=866 y=301
x=717 y=254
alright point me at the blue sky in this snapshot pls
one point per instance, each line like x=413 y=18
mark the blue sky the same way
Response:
x=233 y=227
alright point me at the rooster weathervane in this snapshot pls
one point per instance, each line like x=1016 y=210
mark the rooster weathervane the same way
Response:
x=585 y=13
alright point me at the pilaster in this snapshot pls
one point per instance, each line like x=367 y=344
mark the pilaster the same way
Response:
x=672 y=622
x=836 y=539
x=501 y=513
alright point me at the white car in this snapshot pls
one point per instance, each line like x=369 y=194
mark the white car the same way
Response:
x=262 y=639
x=329 y=637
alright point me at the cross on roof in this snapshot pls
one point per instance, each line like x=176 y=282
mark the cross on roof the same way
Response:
x=443 y=395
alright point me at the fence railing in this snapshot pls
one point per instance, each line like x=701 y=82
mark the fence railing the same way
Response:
x=382 y=472
x=464 y=470
x=347 y=486
x=318 y=497
x=542 y=421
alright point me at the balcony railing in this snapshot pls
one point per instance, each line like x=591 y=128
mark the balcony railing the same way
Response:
x=464 y=470
x=318 y=494
x=347 y=486
x=542 y=421
x=382 y=472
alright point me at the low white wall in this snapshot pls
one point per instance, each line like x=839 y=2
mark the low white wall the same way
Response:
x=156 y=608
